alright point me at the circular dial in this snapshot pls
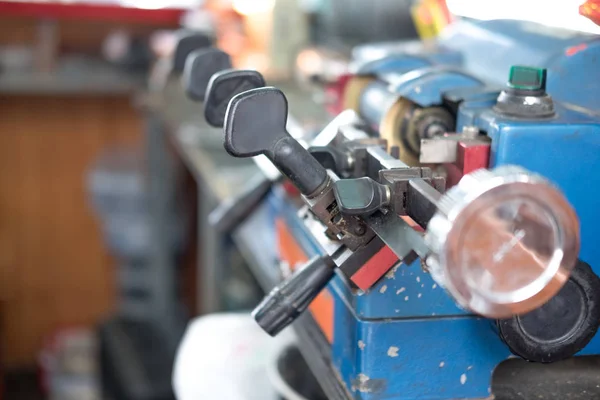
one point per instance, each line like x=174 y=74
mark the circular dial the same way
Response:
x=504 y=241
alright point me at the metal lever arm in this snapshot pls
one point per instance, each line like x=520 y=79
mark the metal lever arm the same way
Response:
x=255 y=123
x=331 y=158
x=288 y=300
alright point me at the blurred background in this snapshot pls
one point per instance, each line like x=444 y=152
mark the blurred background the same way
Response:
x=106 y=251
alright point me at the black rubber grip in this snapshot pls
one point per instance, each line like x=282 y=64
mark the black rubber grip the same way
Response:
x=187 y=42
x=200 y=66
x=255 y=123
x=222 y=87
x=291 y=298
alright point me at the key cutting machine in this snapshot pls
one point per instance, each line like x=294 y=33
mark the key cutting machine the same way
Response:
x=497 y=268
x=432 y=256
x=431 y=280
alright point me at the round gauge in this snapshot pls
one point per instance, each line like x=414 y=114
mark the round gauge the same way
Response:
x=504 y=241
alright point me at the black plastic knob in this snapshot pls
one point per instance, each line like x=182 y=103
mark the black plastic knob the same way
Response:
x=222 y=87
x=200 y=66
x=561 y=327
x=255 y=123
x=290 y=299
x=187 y=42
x=362 y=196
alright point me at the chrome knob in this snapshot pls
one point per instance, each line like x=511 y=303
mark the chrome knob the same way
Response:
x=503 y=241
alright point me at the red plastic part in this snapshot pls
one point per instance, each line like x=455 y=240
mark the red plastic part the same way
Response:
x=469 y=157
x=472 y=156
x=165 y=16
x=375 y=268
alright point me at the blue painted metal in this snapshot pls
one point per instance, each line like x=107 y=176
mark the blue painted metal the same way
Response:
x=405 y=61
x=413 y=358
x=394 y=52
x=490 y=48
x=395 y=63
x=408 y=289
x=427 y=88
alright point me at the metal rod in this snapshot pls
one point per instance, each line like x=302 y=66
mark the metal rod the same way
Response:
x=421 y=201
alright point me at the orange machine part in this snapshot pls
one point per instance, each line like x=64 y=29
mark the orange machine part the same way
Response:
x=322 y=306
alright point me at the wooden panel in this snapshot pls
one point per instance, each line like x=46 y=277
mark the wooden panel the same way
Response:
x=57 y=270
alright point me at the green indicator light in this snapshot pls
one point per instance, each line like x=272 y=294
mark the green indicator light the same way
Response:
x=527 y=78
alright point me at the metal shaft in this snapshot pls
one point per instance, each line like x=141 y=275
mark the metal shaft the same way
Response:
x=421 y=201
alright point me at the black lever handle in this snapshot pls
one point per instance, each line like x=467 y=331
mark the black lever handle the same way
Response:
x=287 y=301
x=255 y=123
x=200 y=66
x=187 y=42
x=222 y=87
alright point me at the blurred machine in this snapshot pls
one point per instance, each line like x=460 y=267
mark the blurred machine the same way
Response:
x=445 y=215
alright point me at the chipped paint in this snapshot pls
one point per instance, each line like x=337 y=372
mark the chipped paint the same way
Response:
x=470 y=367
x=434 y=286
x=391 y=274
x=383 y=289
x=418 y=279
x=393 y=351
x=571 y=51
x=442 y=364
x=402 y=289
x=419 y=295
x=422 y=285
x=406 y=298
x=364 y=384
x=361 y=345
x=397 y=310
x=463 y=379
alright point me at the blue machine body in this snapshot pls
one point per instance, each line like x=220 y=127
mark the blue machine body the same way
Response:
x=405 y=338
